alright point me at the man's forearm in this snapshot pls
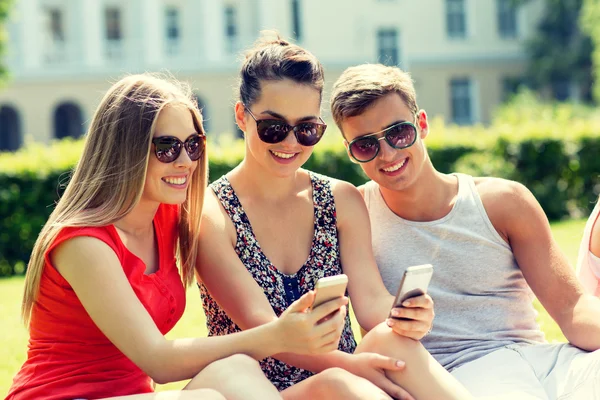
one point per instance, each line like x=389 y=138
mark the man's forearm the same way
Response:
x=583 y=327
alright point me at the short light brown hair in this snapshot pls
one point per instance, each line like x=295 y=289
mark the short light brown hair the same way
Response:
x=360 y=86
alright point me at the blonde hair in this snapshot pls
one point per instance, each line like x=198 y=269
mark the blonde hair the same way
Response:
x=360 y=86
x=108 y=180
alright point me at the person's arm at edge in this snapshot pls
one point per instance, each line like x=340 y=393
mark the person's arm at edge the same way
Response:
x=519 y=218
x=595 y=239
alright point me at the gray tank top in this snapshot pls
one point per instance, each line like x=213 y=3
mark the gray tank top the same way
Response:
x=482 y=301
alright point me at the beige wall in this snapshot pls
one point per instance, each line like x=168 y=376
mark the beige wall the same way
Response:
x=36 y=101
x=422 y=27
x=339 y=32
x=432 y=84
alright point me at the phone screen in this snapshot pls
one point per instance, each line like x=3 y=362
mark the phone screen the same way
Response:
x=330 y=288
x=414 y=283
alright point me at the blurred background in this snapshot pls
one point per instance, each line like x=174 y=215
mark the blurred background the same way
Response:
x=509 y=85
x=466 y=56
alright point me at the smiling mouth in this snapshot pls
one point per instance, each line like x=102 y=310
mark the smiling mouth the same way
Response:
x=176 y=181
x=283 y=155
x=395 y=167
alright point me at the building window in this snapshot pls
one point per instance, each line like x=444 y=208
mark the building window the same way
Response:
x=456 y=18
x=172 y=18
x=296 y=21
x=68 y=121
x=461 y=101
x=231 y=31
x=114 y=36
x=507 y=18
x=55 y=35
x=56 y=28
x=10 y=129
x=387 y=45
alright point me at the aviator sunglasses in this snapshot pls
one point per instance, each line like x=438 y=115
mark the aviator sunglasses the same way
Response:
x=399 y=136
x=275 y=130
x=168 y=148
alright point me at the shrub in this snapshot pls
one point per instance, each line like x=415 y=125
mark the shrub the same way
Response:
x=555 y=152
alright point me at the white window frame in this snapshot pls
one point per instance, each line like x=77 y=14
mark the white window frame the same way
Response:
x=55 y=48
x=395 y=34
x=473 y=106
x=114 y=47
x=172 y=44
x=297 y=31
x=232 y=27
x=465 y=13
x=503 y=7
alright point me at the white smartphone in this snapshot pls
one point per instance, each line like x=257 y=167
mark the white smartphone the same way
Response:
x=330 y=288
x=414 y=283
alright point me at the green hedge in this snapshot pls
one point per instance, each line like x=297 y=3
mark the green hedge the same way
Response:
x=553 y=151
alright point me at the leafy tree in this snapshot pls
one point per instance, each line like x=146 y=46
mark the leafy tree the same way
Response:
x=5 y=6
x=560 y=52
x=590 y=18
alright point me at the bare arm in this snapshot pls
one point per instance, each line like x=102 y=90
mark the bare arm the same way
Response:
x=370 y=299
x=246 y=304
x=595 y=239
x=519 y=218
x=236 y=291
x=107 y=296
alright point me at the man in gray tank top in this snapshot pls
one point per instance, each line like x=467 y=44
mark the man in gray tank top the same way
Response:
x=489 y=242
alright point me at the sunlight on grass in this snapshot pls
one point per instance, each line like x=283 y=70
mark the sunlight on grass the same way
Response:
x=13 y=352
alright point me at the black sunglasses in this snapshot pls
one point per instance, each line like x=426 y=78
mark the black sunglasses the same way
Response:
x=168 y=148
x=400 y=136
x=275 y=130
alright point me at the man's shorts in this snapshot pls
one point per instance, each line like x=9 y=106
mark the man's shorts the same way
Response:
x=543 y=371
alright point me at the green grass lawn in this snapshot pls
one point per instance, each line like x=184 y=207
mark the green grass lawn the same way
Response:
x=14 y=336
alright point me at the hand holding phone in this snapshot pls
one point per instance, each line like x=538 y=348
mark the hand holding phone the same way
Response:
x=414 y=283
x=329 y=288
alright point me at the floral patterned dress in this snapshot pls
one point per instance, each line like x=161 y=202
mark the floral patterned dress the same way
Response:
x=281 y=289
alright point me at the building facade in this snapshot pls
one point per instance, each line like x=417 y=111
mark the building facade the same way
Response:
x=464 y=55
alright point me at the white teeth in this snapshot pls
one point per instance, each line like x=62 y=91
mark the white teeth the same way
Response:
x=176 y=181
x=395 y=167
x=283 y=155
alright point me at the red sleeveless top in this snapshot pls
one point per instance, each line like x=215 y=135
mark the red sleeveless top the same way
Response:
x=68 y=356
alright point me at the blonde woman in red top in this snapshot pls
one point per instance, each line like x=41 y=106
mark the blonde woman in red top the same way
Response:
x=103 y=286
